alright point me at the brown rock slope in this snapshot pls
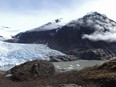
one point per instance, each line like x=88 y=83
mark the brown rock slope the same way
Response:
x=33 y=70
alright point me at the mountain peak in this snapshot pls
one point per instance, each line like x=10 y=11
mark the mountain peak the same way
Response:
x=101 y=27
x=95 y=13
x=94 y=16
x=94 y=19
x=58 y=20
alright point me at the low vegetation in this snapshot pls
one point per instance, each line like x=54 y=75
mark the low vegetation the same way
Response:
x=97 y=76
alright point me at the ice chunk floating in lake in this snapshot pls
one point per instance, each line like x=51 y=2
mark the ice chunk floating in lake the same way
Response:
x=12 y=54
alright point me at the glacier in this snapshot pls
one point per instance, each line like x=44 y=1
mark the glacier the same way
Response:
x=12 y=54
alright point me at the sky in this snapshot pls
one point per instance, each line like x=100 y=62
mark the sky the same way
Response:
x=28 y=14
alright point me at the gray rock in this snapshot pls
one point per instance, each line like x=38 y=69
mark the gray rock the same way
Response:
x=92 y=54
x=33 y=70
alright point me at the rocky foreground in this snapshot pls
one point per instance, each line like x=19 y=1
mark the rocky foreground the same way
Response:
x=39 y=73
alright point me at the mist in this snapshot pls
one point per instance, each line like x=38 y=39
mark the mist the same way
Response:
x=100 y=36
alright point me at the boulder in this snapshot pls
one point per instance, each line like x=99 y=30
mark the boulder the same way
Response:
x=33 y=70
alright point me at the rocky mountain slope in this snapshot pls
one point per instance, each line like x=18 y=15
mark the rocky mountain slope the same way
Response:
x=89 y=37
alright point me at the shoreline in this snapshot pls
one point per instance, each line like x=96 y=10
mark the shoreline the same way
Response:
x=67 y=66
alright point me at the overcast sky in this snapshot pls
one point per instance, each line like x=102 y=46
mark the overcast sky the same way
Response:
x=27 y=14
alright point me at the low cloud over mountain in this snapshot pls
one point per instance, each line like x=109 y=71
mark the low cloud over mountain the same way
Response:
x=105 y=27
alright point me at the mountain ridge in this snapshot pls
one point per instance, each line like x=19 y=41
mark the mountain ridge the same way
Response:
x=58 y=23
x=87 y=35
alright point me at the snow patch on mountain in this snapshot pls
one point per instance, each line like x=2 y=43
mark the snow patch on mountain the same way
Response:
x=58 y=23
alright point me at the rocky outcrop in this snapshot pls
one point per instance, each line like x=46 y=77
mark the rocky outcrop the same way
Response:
x=92 y=54
x=109 y=66
x=96 y=76
x=104 y=75
x=60 y=58
x=80 y=35
x=33 y=70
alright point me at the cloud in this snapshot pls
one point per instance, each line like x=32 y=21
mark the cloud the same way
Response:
x=27 y=14
x=51 y=5
x=100 y=36
x=105 y=29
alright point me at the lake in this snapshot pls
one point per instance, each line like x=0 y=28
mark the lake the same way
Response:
x=76 y=65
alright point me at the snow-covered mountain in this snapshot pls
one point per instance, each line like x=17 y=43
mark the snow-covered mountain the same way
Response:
x=93 y=35
x=101 y=26
x=104 y=28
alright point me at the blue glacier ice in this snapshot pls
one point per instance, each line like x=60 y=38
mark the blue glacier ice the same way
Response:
x=12 y=54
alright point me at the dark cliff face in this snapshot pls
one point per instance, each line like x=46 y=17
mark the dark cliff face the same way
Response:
x=35 y=37
x=72 y=38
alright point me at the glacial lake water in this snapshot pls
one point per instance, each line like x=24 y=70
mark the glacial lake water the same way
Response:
x=77 y=65
x=67 y=66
